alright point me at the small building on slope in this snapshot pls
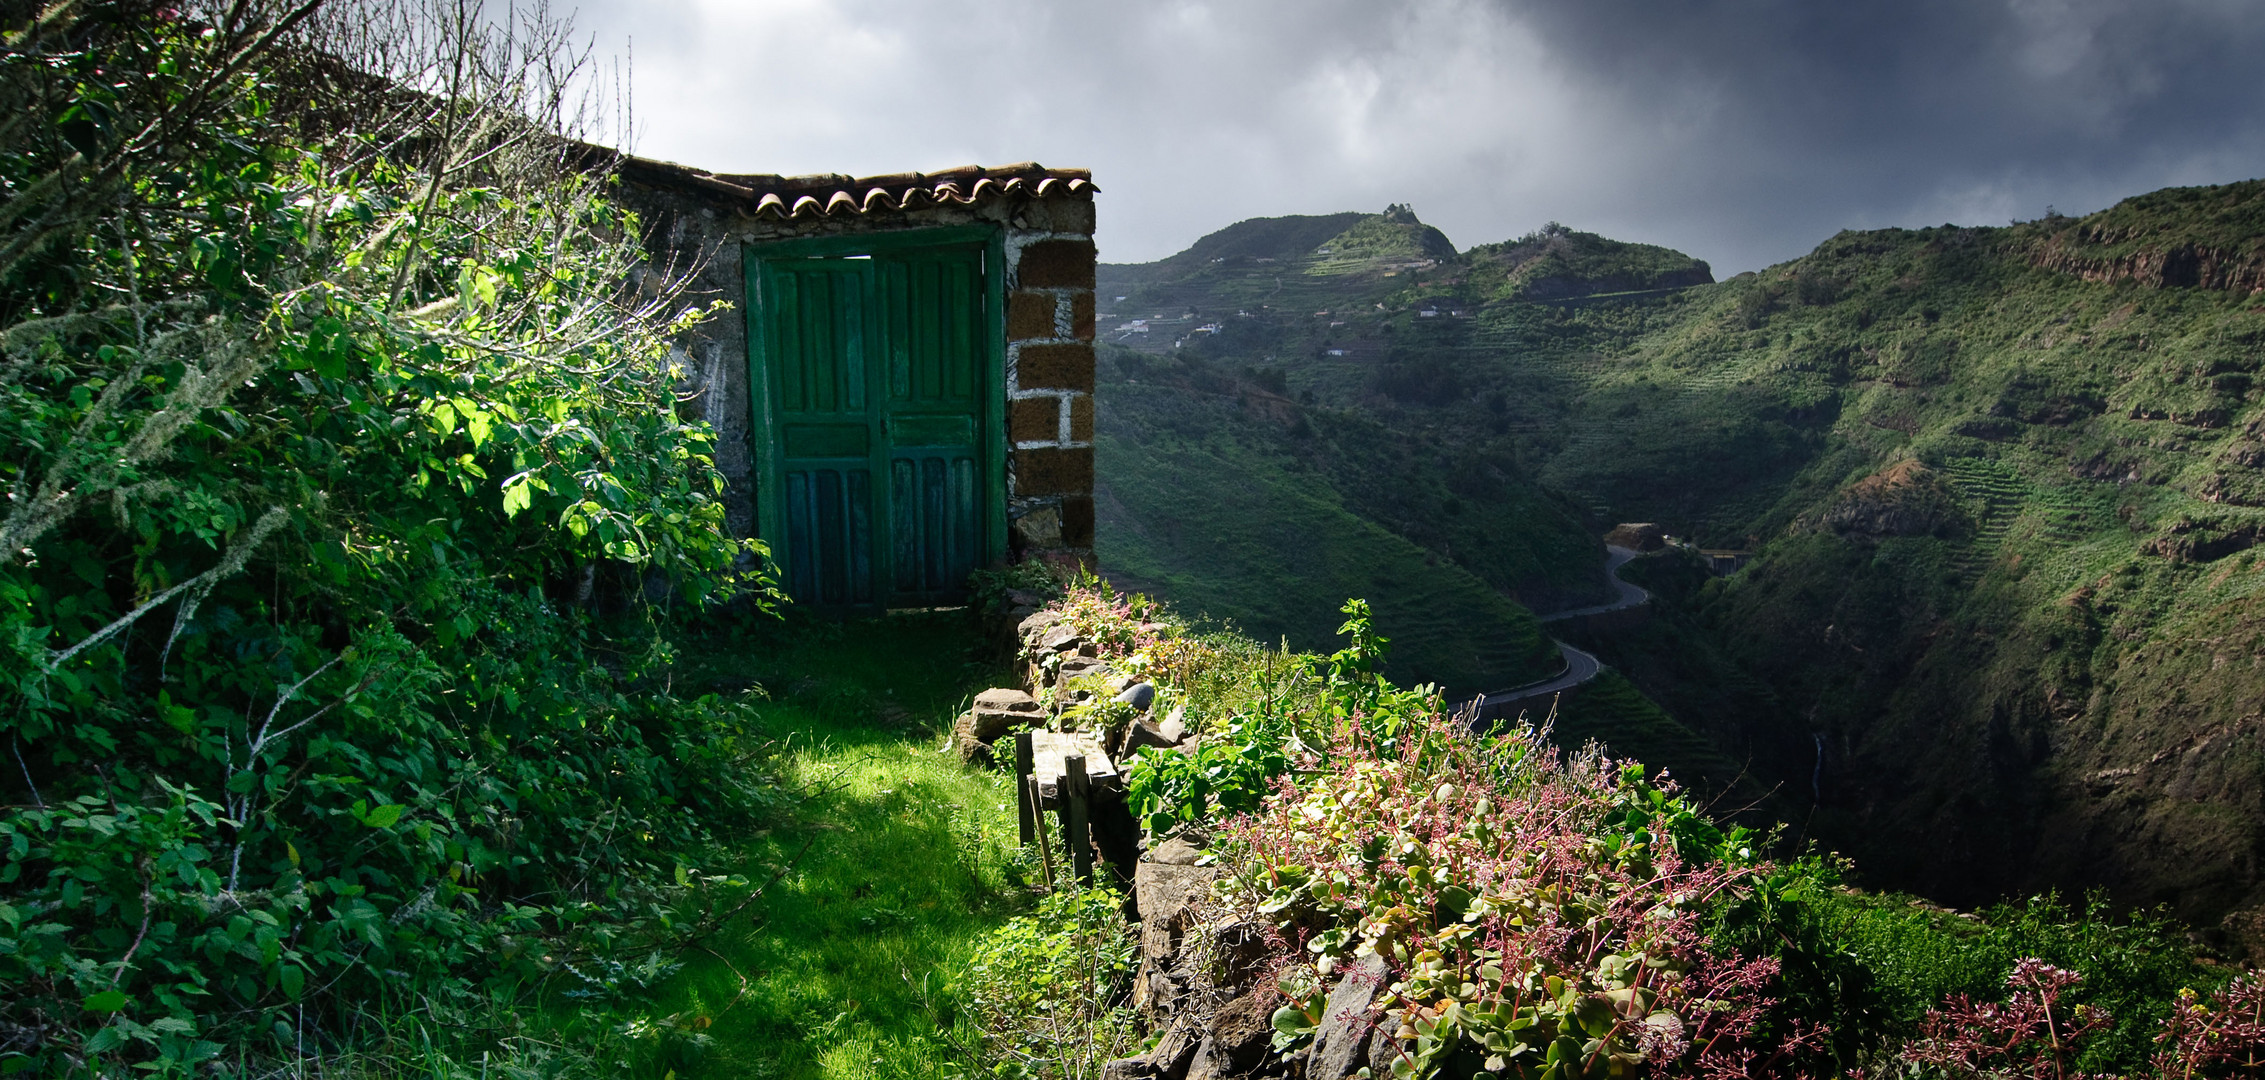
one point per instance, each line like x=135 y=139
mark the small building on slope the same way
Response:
x=905 y=394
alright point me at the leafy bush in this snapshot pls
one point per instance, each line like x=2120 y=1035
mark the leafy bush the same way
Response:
x=333 y=427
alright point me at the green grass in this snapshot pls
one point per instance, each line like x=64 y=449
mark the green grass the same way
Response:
x=897 y=860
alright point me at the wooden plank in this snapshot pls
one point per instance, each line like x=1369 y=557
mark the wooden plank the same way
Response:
x=1075 y=835
x=1026 y=802
x=1050 y=753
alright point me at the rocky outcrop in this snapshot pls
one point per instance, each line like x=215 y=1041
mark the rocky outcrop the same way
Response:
x=2176 y=238
x=2188 y=540
x=1203 y=985
x=1904 y=499
x=2095 y=255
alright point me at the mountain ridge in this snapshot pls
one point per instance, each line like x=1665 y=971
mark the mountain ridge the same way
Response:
x=2003 y=482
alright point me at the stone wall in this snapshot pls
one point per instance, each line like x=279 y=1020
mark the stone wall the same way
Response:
x=696 y=224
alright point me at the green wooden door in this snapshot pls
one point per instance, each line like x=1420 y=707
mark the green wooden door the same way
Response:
x=874 y=431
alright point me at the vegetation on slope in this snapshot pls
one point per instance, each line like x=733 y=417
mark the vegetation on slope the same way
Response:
x=1525 y=911
x=1303 y=503
x=1248 y=507
x=2005 y=483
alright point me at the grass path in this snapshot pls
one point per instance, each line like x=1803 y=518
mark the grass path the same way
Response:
x=897 y=860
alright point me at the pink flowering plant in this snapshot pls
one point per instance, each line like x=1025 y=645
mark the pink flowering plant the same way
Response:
x=1536 y=917
x=1548 y=915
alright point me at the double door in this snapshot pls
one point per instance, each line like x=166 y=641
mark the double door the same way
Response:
x=877 y=426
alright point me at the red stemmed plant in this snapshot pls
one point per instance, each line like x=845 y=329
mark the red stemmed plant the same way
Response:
x=1531 y=925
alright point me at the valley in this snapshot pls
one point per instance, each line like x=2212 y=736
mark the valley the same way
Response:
x=2001 y=630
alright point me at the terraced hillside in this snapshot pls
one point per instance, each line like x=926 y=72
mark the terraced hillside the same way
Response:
x=2003 y=630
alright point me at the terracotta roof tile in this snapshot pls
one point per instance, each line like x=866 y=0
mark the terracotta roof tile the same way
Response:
x=829 y=195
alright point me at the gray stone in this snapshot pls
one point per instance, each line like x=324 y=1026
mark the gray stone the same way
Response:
x=1059 y=639
x=1237 y=1040
x=1177 y=851
x=1176 y=1050
x=1139 y=695
x=1241 y=948
x=1005 y=700
x=1383 y=1050
x=1140 y=735
x=999 y=709
x=1132 y=1068
x=1032 y=627
x=996 y=712
x=1163 y=892
x=1175 y=727
x=966 y=743
x=1077 y=667
x=1340 y=1045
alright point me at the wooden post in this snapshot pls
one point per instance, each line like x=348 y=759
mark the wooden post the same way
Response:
x=1026 y=801
x=1073 y=817
x=1037 y=813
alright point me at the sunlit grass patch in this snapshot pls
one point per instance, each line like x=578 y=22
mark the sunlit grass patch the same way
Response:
x=898 y=859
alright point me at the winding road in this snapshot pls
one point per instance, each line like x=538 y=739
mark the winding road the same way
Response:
x=1580 y=667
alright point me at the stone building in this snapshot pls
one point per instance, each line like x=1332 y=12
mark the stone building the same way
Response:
x=905 y=392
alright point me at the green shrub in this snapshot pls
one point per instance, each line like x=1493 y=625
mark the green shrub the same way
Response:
x=337 y=482
x=1044 y=994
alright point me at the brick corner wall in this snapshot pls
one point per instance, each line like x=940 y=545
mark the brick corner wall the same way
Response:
x=1050 y=396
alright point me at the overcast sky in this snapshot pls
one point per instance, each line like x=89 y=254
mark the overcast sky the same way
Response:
x=1740 y=131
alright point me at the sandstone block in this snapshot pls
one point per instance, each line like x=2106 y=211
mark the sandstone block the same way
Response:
x=1081 y=418
x=1030 y=315
x=1029 y=629
x=1054 y=367
x=1057 y=264
x=1162 y=892
x=1142 y=735
x=1040 y=529
x=1035 y=419
x=1132 y=1068
x=1176 y=852
x=1063 y=638
x=1081 y=316
x=1078 y=667
x=965 y=744
x=1077 y=521
x=1048 y=471
x=1238 y=1038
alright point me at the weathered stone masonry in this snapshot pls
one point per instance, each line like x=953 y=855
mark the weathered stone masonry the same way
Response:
x=698 y=222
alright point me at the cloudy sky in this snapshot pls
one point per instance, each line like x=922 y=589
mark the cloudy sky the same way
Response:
x=1740 y=131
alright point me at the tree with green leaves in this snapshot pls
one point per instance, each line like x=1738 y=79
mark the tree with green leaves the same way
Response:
x=334 y=392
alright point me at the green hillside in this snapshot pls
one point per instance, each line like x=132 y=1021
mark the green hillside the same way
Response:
x=1249 y=508
x=2002 y=629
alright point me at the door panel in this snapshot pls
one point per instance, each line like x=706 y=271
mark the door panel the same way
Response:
x=876 y=373
x=934 y=503
x=934 y=305
x=830 y=535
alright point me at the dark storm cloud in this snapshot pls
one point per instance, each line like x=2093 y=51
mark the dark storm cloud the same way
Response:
x=1826 y=114
x=1742 y=132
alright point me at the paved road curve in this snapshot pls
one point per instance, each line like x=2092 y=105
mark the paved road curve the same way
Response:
x=1580 y=667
